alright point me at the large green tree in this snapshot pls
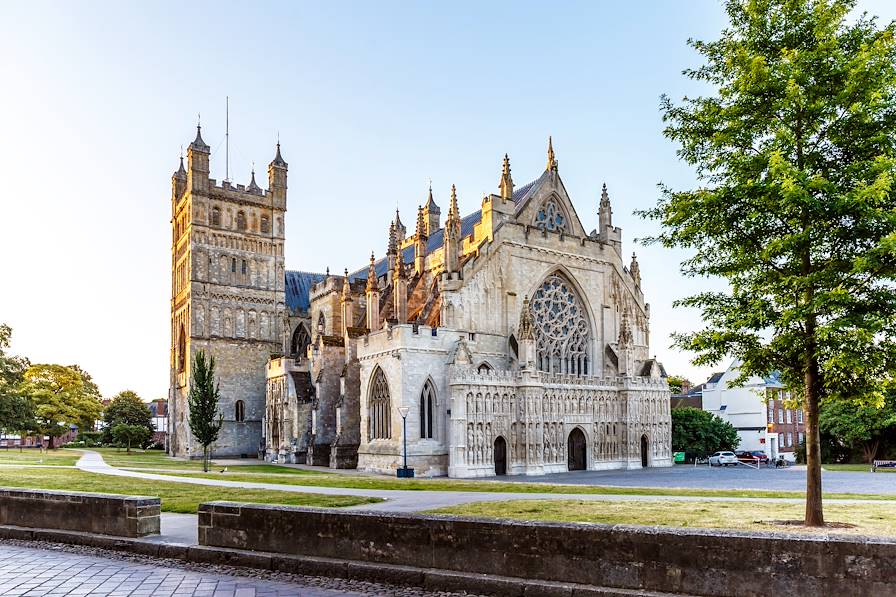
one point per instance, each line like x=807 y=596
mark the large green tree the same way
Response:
x=205 y=420
x=16 y=409
x=699 y=432
x=794 y=148
x=858 y=424
x=677 y=383
x=126 y=408
x=62 y=396
x=125 y=435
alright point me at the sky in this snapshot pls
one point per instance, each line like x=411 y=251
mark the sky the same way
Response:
x=370 y=102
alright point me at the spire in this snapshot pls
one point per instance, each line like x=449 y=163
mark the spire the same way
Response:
x=452 y=209
x=605 y=214
x=506 y=184
x=430 y=203
x=371 y=275
x=198 y=143
x=604 y=196
x=421 y=223
x=635 y=270
x=400 y=229
x=552 y=160
x=392 y=247
x=181 y=171
x=278 y=159
x=253 y=186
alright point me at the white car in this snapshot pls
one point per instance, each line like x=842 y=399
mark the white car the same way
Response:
x=722 y=459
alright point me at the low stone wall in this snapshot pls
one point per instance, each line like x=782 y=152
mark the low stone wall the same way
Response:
x=694 y=562
x=122 y=516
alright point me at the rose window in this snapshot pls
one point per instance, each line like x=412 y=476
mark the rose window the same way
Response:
x=561 y=328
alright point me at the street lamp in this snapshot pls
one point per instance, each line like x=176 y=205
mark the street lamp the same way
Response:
x=405 y=472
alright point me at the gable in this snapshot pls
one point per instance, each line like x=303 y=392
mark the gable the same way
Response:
x=544 y=203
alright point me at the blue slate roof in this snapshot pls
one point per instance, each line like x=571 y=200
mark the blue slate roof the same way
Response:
x=298 y=289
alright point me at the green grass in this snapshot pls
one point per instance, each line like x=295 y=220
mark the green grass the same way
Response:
x=35 y=456
x=380 y=482
x=854 y=468
x=869 y=519
x=176 y=497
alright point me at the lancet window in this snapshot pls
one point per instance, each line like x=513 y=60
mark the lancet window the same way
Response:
x=561 y=328
x=380 y=408
x=427 y=402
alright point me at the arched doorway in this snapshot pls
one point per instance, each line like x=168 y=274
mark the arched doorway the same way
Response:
x=500 y=456
x=578 y=460
x=644 y=451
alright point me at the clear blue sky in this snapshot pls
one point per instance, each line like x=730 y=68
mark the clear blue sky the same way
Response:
x=371 y=100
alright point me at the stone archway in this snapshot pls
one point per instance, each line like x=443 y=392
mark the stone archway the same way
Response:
x=500 y=456
x=577 y=450
x=644 y=446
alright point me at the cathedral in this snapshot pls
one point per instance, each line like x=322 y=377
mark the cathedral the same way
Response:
x=507 y=341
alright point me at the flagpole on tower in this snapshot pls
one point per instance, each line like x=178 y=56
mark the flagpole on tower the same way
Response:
x=227 y=138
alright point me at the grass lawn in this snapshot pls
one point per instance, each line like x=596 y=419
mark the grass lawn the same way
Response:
x=35 y=456
x=855 y=468
x=381 y=482
x=176 y=497
x=870 y=519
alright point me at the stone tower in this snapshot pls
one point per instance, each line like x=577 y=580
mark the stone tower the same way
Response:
x=227 y=295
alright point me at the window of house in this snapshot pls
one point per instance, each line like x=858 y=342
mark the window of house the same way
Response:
x=800 y=437
x=789 y=439
x=771 y=412
x=799 y=416
x=265 y=224
x=379 y=419
x=427 y=402
x=241 y=220
x=781 y=415
x=789 y=416
x=239 y=413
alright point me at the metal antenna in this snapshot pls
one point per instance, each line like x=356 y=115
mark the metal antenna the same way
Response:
x=227 y=138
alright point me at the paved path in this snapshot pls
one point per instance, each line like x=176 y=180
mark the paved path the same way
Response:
x=397 y=500
x=30 y=571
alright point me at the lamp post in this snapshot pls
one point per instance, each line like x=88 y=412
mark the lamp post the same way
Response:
x=404 y=472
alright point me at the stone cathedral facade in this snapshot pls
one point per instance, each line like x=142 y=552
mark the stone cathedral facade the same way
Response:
x=515 y=340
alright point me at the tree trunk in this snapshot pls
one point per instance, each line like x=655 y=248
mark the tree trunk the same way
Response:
x=869 y=450
x=814 y=512
x=205 y=459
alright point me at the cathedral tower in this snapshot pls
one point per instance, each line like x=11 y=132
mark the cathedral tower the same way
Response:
x=227 y=295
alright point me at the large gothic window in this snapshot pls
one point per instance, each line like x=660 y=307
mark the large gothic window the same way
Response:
x=561 y=328
x=550 y=217
x=379 y=424
x=427 y=402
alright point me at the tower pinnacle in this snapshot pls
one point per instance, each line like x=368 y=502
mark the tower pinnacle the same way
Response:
x=552 y=159
x=506 y=185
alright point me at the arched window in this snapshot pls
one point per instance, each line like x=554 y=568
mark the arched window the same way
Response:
x=379 y=424
x=182 y=350
x=216 y=216
x=551 y=217
x=300 y=341
x=321 y=323
x=265 y=224
x=484 y=368
x=243 y=268
x=233 y=265
x=240 y=220
x=561 y=327
x=427 y=402
x=239 y=411
x=514 y=346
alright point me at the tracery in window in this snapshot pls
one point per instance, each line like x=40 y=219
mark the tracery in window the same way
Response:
x=379 y=408
x=561 y=328
x=427 y=402
x=550 y=217
x=300 y=341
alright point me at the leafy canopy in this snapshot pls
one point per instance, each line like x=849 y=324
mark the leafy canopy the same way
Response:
x=62 y=396
x=205 y=421
x=857 y=424
x=698 y=431
x=16 y=409
x=126 y=408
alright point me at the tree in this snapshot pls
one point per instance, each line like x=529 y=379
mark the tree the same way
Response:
x=16 y=409
x=697 y=431
x=62 y=396
x=677 y=383
x=126 y=408
x=205 y=421
x=125 y=435
x=859 y=424
x=796 y=160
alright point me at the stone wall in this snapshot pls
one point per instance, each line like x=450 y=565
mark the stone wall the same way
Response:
x=693 y=562
x=122 y=516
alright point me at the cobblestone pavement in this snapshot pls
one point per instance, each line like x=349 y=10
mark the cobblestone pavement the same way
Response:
x=28 y=568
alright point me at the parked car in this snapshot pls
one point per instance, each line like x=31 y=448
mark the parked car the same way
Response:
x=722 y=459
x=753 y=455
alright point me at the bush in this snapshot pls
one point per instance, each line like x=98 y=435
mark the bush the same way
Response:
x=699 y=433
x=90 y=439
